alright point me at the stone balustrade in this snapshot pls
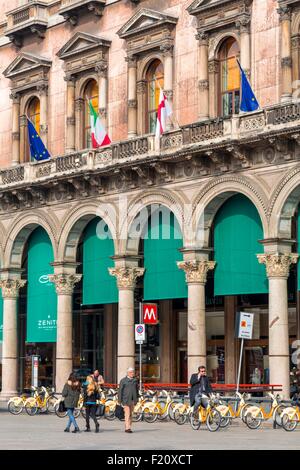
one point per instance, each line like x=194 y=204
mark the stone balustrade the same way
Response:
x=216 y=132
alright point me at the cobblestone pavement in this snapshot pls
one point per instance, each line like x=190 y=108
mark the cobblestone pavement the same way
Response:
x=46 y=432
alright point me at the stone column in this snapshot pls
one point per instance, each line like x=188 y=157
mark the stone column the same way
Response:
x=64 y=284
x=286 y=53
x=203 y=76
x=167 y=51
x=213 y=69
x=10 y=293
x=126 y=281
x=70 y=112
x=23 y=130
x=243 y=24
x=15 y=128
x=79 y=109
x=101 y=70
x=196 y=275
x=43 y=94
x=132 y=98
x=141 y=89
x=278 y=266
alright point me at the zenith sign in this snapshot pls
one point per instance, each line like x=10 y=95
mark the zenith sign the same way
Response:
x=150 y=314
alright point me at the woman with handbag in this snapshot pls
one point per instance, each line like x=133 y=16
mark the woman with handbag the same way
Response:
x=70 y=394
x=90 y=397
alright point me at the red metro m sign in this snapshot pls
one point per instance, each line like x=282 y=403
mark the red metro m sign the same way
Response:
x=150 y=314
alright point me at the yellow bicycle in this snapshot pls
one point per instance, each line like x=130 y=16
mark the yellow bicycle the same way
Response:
x=209 y=415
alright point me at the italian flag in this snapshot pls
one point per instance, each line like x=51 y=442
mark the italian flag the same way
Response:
x=98 y=133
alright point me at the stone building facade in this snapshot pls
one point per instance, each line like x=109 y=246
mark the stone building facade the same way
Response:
x=230 y=181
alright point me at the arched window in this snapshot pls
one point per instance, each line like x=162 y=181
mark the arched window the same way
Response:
x=91 y=92
x=229 y=78
x=155 y=79
x=34 y=114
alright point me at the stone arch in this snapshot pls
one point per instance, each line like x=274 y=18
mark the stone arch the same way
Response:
x=212 y=197
x=170 y=200
x=19 y=232
x=75 y=223
x=146 y=61
x=25 y=101
x=216 y=43
x=82 y=83
x=283 y=204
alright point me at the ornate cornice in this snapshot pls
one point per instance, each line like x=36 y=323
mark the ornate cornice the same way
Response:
x=196 y=270
x=278 y=265
x=11 y=287
x=126 y=276
x=64 y=283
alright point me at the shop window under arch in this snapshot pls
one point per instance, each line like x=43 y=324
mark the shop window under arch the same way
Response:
x=237 y=231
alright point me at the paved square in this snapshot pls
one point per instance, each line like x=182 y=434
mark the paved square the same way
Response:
x=46 y=432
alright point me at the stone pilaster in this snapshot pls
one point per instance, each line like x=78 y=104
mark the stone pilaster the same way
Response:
x=286 y=52
x=203 y=76
x=70 y=113
x=167 y=52
x=101 y=70
x=43 y=94
x=278 y=267
x=126 y=281
x=15 y=128
x=64 y=285
x=243 y=24
x=10 y=293
x=132 y=98
x=196 y=276
x=79 y=117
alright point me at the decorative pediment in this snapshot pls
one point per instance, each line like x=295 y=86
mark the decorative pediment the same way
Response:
x=216 y=14
x=145 y=20
x=26 y=63
x=82 y=43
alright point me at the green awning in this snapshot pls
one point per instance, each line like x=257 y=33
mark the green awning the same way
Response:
x=162 y=278
x=237 y=229
x=41 y=295
x=99 y=287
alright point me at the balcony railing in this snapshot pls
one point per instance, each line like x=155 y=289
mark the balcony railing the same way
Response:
x=31 y=18
x=189 y=138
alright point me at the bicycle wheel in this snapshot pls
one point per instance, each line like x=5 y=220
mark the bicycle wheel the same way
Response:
x=51 y=404
x=244 y=411
x=213 y=420
x=180 y=417
x=59 y=414
x=277 y=415
x=225 y=419
x=137 y=416
x=150 y=416
x=109 y=413
x=171 y=410
x=195 y=421
x=31 y=407
x=77 y=412
x=288 y=423
x=15 y=407
x=254 y=421
x=162 y=405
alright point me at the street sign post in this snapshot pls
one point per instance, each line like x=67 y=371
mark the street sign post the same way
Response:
x=35 y=370
x=245 y=331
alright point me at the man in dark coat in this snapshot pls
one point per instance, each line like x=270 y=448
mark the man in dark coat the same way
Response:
x=128 y=396
x=200 y=385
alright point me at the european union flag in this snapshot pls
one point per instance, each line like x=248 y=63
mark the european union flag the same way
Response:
x=38 y=150
x=248 y=100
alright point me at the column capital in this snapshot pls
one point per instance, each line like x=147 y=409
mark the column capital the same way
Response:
x=286 y=62
x=126 y=276
x=243 y=24
x=203 y=85
x=70 y=79
x=11 y=287
x=131 y=61
x=79 y=104
x=42 y=89
x=141 y=86
x=101 y=69
x=196 y=270
x=284 y=13
x=278 y=265
x=166 y=49
x=213 y=66
x=64 y=283
x=15 y=97
x=202 y=37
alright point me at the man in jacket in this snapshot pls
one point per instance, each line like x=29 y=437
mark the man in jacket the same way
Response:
x=128 y=396
x=200 y=385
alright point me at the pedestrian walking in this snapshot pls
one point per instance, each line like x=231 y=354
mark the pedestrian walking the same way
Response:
x=200 y=389
x=128 y=396
x=90 y=397
x=98 y=378
x=70 y=394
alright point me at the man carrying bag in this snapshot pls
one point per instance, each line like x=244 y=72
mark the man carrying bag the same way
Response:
x=128 y=397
